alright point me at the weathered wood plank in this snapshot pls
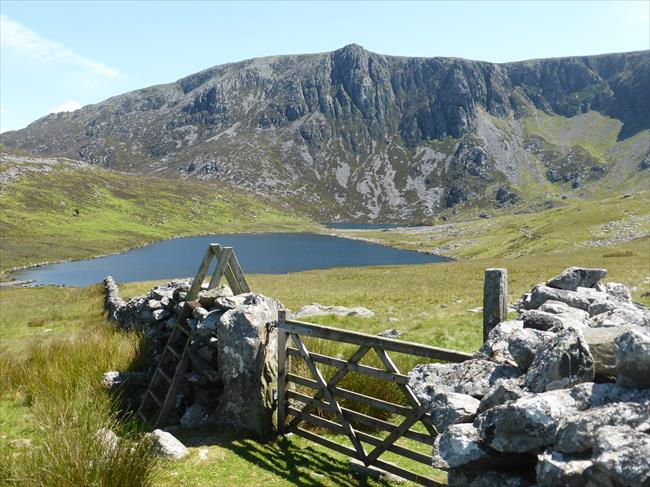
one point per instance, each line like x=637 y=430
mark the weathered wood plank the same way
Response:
x=239 y=274
x=352 y=367
x=222 y=254
x=388 y=467
x=360 y=417
x=354 y=396
x=170 y=396
x=232 y=280
x=495 y=299
x=283 y=367
x=407 y=474
x=406 y=390
x=388 y=442
x=365 y=437
x=308 y=435
x=200 y=275
x=357 y=338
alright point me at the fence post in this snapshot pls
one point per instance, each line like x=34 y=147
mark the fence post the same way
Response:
x=495 y=299
x=282 y=371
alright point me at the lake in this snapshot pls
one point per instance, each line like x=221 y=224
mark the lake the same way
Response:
x=258 y=253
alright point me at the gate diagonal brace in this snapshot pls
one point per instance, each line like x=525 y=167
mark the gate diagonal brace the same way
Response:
x=322 y=384
x=336 y=378
x=406 y=390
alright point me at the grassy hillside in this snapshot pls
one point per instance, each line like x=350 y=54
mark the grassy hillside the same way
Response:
x=56 y=209
x=573 y=227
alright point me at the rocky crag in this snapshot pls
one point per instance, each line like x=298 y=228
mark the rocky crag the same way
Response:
x=558 y=397
x=356 y=135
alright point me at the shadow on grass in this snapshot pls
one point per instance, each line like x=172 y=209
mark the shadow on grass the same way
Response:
x=287 y=459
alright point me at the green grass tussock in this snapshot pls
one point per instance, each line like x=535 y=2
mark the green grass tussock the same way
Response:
x=58 y=382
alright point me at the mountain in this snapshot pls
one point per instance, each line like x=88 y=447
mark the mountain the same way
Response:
x=355 y=135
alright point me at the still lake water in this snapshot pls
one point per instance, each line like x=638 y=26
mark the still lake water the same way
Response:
x=258 y=253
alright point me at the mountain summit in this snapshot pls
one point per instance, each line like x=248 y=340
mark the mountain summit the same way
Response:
x=351 y=134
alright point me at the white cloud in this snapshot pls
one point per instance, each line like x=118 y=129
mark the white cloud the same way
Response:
x=18 y=37
x=68 y=106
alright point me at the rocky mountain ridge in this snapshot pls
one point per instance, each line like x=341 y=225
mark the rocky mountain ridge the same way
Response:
x=355 y=135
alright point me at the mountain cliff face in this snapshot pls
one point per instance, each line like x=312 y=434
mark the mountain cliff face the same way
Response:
x=357 y=135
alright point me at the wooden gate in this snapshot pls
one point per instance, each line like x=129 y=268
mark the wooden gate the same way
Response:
x=322 y=403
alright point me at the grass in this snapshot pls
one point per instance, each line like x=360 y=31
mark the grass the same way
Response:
x=591 y=130
x=52 y=405
x=89 y=211
x=571 y=228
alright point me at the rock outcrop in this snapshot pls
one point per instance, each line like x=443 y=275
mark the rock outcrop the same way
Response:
x=546 y=422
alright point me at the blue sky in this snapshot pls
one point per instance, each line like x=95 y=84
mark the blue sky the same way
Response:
x=61 y=55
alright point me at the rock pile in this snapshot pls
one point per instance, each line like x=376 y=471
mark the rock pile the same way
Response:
x=558 y=397
x=233 y=362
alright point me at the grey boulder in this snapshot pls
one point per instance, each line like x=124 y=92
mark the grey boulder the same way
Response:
x=166 y=445
x=207 y=297
x=528 y=423
x=497 y=345
x=574 y=277
x=577 y=432
x=601 y=346
x=505 y=391
x=486 y=478
x=620 y=457
x=473 y=377
x=526 y=344
x=632 y=356
x=447 y=408
x=247 y=364
x=460 y=445
x=555 y=469
x=194 y=417
x=540 y=320
x=542 y=294
x=619 y=291
x=566 y=362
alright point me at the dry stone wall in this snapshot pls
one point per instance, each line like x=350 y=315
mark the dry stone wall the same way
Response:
x=558 y=397
x=233 y=361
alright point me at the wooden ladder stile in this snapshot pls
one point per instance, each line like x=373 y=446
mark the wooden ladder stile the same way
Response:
x=163 y=387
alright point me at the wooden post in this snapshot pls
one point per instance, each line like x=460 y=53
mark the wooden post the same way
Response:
x=495 y=299
x=283 y=366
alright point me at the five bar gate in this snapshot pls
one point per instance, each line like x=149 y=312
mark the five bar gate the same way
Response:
x=319 y=401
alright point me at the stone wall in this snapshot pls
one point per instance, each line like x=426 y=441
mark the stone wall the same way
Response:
x=233 y=362
x=558 y=397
